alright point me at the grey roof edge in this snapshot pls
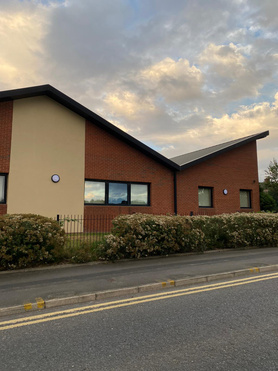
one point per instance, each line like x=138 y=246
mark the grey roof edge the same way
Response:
x=81 y=110
x=240 y=142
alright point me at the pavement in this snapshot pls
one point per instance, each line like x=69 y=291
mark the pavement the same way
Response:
x=47 y=287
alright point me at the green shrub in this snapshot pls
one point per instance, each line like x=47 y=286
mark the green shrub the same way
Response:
x=241 y=230
x=139 y=235
x=82 y=252
x=27 y=240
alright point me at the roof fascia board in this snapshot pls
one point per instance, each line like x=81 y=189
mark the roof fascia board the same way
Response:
x=223 y=150
x=84 y=112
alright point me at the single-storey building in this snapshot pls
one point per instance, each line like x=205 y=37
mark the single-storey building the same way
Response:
x=58 y=157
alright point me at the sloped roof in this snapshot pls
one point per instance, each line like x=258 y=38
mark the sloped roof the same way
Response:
x=78 y=108
x=176 y=163
x=189 y=159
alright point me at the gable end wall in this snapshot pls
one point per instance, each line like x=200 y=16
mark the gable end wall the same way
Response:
x=234 y=170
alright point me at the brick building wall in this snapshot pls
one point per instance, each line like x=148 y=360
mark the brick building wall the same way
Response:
x=109 y=158
x=6 y=116
x=234 y=170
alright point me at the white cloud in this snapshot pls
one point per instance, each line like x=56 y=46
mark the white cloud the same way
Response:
x=225 y=59
x=232 y=74
x=128 y=104
x=175 y=81
x=22 y=27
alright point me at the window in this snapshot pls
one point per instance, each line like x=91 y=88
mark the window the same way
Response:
x=3 y=182
x=116 y=193
x=205 y=196
x=94 y=192
x=245 y=198
x=139 y=194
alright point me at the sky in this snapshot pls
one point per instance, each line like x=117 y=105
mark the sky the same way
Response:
x=178 y=75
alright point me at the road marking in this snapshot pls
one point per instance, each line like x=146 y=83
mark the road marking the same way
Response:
x=6 y=325
x=28 y=306
x=255 y=269
x=40 y=303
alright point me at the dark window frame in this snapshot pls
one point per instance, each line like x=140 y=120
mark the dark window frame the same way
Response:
x=5 y=189
x=250 y=198
x=106 y=199
x=211 y=198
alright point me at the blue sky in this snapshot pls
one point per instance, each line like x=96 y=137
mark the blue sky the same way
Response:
x=178 y=75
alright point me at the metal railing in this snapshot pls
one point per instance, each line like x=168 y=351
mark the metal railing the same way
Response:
x=85 y=229
x=93 y=228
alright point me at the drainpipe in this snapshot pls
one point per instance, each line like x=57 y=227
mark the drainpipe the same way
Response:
x=175 y=194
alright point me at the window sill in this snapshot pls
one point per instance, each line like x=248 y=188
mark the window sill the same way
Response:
x=105 y=205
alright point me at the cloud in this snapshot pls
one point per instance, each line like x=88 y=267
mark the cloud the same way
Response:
x=164 y=82
x=230 y=73
x=266 y=14
x=226 y=60
x=128 y=104
x=22 y=27
x=174 y=81
x=88 y=39
x=248 y=120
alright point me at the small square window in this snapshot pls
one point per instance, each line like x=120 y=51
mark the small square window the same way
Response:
x=245 y=198
x=205 y=196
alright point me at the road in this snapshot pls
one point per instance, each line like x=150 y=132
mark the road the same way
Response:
x=231 y=325
x=24 y=286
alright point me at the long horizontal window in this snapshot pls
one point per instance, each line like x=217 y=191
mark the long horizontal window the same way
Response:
x=116 y=193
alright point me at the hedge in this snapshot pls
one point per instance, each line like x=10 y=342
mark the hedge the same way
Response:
x=139 y=235
x=27 y=240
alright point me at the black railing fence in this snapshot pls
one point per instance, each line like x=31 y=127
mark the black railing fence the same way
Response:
x=93 y=228
x=85 y=229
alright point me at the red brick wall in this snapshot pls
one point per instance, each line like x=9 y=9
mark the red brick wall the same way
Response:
x=233 y=170
x=109 y=158
x=6 y=116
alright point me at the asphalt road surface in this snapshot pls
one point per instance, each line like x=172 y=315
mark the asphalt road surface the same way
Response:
x=24 y=286
x=231 y=325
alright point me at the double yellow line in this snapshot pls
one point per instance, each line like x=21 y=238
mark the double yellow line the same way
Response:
x=26 y=321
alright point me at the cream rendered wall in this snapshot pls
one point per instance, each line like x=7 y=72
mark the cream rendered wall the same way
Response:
x=47 y=139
